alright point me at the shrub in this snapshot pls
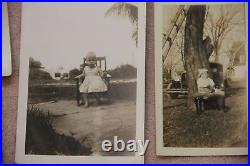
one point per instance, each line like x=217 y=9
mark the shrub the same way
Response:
x=74 y=72
x=42 y=139
x=36 y=71
x=123 y=71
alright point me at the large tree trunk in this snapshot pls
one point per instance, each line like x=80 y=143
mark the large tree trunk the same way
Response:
x=195 y=56
x=216 y=51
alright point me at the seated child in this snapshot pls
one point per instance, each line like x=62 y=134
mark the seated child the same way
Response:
x=93 y=81
x=204 y=83
x=206 y=89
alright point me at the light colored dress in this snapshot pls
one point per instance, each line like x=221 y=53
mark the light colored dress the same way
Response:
x=206 y=88
x=93 y=81
x=205 y=85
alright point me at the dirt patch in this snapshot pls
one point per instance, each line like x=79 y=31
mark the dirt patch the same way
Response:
x=95 y=123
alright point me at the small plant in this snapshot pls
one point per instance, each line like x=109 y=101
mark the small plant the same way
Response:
x=42 y=139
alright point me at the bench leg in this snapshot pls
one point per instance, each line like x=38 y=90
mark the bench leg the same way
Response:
x=221 y=103
x=199 y=105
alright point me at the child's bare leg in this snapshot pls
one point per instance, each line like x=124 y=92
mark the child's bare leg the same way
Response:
x=80 y=99
x=85 y=98
x=97 y=97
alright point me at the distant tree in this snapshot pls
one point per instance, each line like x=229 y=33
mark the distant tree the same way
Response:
x=35 y=64
x=73 y=73
x=123 y=71
x=36 y=71
x=218 y=27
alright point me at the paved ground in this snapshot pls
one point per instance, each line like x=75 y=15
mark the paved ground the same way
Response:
x=93 y=124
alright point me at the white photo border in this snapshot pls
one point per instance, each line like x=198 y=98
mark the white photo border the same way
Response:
x=173 y=151
x=21 y=157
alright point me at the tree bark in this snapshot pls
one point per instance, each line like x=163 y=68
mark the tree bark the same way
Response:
x=216 y=51
x=194 y=52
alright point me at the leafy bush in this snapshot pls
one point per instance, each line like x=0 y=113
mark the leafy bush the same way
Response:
x=123 y=71
x=42 y=139
x=36 y=71
x=53 y=91
x=74 y=72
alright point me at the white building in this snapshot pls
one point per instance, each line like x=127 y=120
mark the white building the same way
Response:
x=59 y=74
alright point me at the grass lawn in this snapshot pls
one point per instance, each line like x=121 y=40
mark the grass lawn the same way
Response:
x=213 y=128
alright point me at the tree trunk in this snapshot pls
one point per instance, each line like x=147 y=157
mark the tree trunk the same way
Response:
x=195 y=56
x=216 y=51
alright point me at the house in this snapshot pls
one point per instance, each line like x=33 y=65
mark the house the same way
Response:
x=237 y=68
x=59 y=74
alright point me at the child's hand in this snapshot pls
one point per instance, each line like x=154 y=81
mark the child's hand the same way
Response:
x=77 y=77
x=104 y=74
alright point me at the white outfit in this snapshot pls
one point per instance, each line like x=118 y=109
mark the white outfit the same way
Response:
x=205 y=85
x=93 y=81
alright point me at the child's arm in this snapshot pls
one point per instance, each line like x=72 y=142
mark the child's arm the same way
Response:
x=100 y=72
x=212 y=84
x=81 y=75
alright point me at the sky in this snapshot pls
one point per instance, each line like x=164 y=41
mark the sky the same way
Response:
x=61 y=34
x=236 y=34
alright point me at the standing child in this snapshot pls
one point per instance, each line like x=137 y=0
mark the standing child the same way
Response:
x=93 y=82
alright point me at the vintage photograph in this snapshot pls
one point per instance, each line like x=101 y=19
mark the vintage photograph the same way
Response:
x=6 y=51
x=85 y=71
x=201 y=79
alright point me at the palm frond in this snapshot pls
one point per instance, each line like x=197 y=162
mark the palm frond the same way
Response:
x=125 y=9
x=135 y=36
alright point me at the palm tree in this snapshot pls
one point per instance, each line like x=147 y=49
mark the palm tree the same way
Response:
x=126 y=9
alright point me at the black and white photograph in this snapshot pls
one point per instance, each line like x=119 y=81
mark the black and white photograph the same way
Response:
x=81 y=81
x=201 y=79
x=6 y=51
